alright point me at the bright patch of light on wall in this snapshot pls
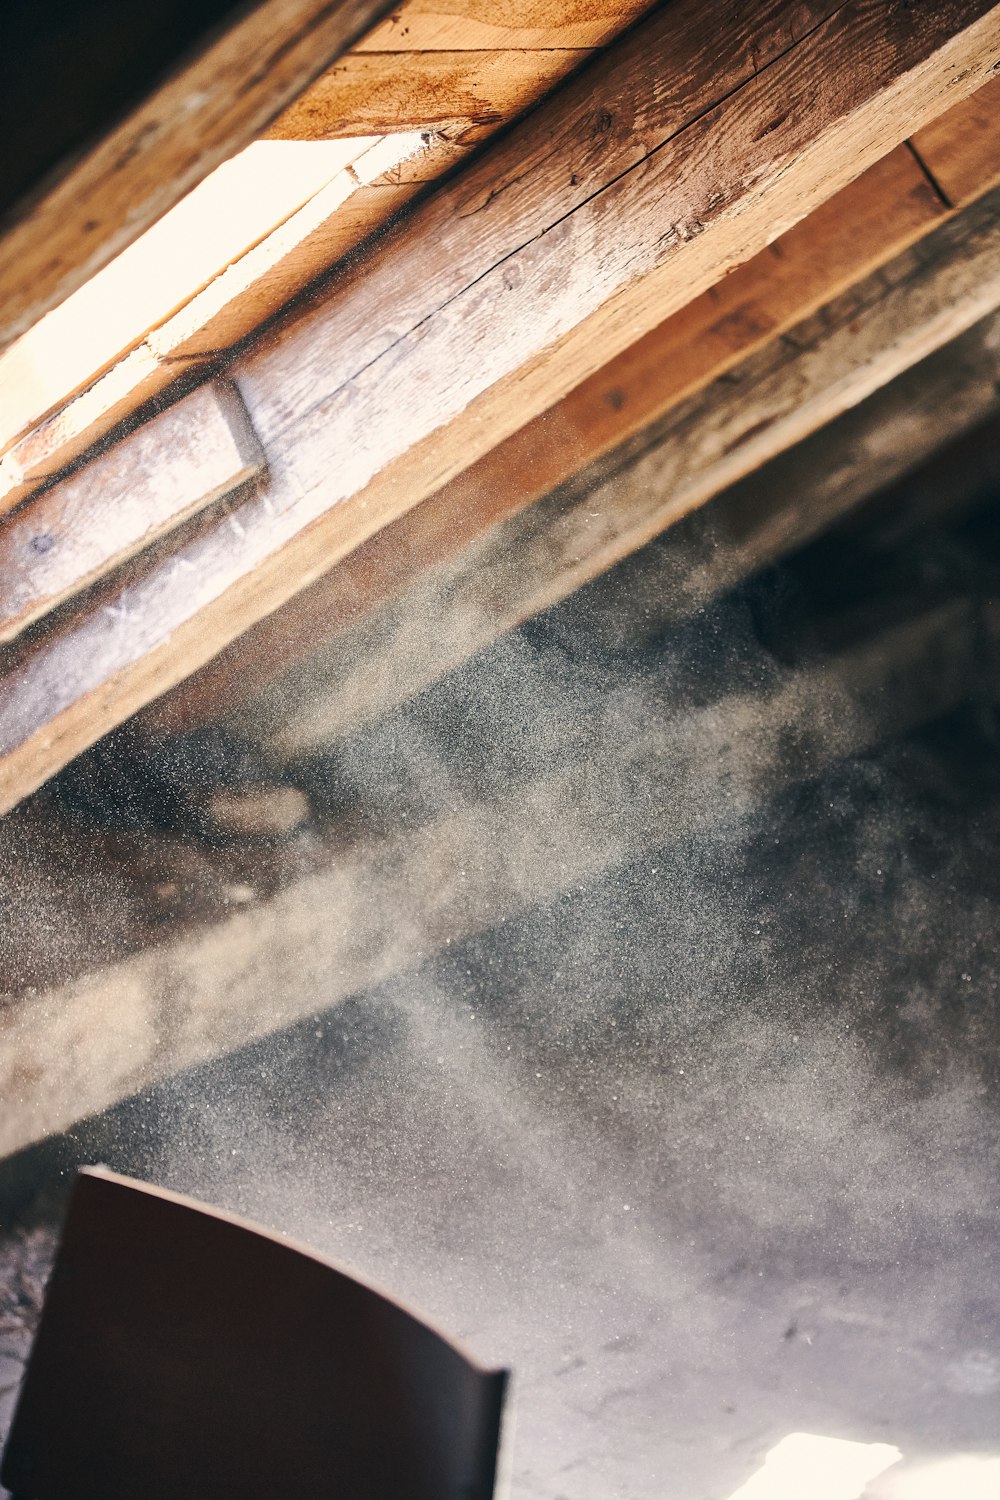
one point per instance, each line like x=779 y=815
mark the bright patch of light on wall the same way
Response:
x=804 y=1467
x=965 y=1476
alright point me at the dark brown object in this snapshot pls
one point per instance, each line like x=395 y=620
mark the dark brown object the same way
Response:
x=182 y=1353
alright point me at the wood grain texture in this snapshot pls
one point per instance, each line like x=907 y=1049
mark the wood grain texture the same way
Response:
x=201 y=449
x=254 y=288
x=455 y=97
x=859 y=229
x=372 y=93
x=460 y=67
x=481 y=25
x=582 y=230
x=862 y=226
x=200 y=116
x=383 y=906
x=69 y=433
x=793 y=387
x=961 y=149
x=227 y=214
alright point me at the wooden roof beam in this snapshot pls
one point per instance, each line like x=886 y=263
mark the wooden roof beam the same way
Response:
x=902 y=198
x=792 y=387
x=640 y=184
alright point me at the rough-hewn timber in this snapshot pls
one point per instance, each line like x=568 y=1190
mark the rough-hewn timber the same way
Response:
x=504 y=292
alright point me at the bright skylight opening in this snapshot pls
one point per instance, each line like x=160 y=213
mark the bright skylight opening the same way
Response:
x=239 y=205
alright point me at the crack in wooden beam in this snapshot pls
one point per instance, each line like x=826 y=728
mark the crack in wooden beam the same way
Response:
x=534 y=558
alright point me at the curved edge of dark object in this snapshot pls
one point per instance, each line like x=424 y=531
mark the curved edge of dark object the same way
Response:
x=184 y=1354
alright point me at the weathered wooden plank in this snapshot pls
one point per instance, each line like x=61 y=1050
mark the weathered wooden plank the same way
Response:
x=961 y=149
x=236 y=206
x=453 y=68
x=198 y=117
x=644 y=180
x=51 y=447
x=337 y=104
x=889 y=203
x=530 y=560
x=203 y=448
x=448 y=100
x=506 y=291
x=240 y=293
x=382 y=907
x=859 y=229
x=864 y=225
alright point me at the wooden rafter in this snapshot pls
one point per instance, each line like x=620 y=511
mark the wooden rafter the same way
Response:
x=548 y=257
x=850 y=236
x=792 y=387
x=123 y=501
x=395 y=116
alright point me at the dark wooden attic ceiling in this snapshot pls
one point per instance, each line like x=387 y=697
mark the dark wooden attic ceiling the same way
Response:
x=534 y=274
x=305 y=535
x=99 y=59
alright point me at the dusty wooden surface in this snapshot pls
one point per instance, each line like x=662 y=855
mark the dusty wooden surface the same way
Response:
x=201 y=449
x=186 y=346
x=888 y=206
x=212 y=107
x=501 y=295
x=467 y=592
x=860 y=228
